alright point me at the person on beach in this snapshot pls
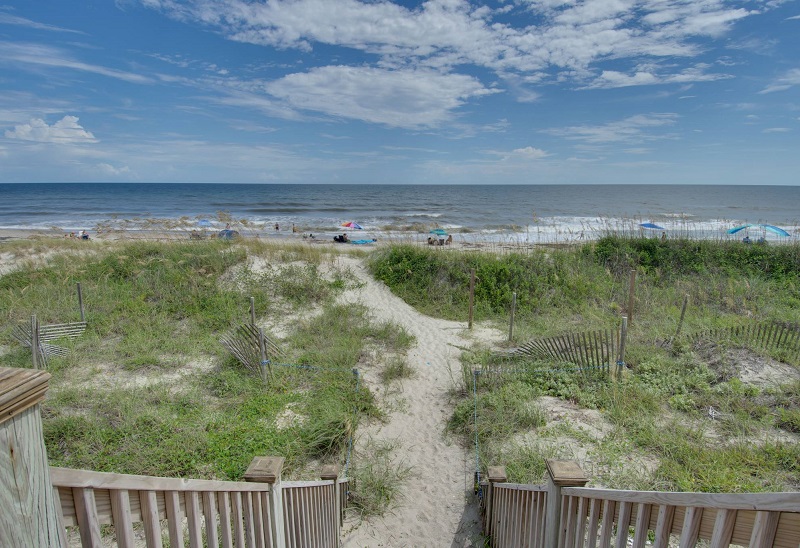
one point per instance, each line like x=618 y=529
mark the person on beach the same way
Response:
x=664 y=236
x=449 y=239
x=277 y=227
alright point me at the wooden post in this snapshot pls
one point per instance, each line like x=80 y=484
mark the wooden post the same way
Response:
x=495 y=474
x=631 y=294
x=513 y=310
x=268 y=470
x=471 y=296
x=253 y=310
x=29 y=510
x=560 y=473
x=623 y=337
x=35 y=341
x=331 y=472
x=683 y=313
x=80 y=303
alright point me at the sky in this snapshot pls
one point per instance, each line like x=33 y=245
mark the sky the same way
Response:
x=370 y=91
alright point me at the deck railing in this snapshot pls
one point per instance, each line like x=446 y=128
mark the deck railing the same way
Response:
x=38 y=502
x=563 y=514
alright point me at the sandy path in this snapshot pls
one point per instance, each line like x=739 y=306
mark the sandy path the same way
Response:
x=436 y=507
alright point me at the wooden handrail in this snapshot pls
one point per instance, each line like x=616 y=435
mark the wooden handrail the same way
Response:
x=67 y=477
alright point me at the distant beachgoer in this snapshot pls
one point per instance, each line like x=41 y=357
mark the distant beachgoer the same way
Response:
x=277 y=226
x=449 y=239
x=227 y=226
x=746 y=239
x=294 y=228
x=430 y=240
x=345 y=238
x=84 y=235
x=664 y=236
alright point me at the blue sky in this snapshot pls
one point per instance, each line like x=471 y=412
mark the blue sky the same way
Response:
x=444 y=91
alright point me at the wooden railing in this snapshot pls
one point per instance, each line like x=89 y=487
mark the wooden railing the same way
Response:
x=38 y=502
x=563 y=514
x=229 y=513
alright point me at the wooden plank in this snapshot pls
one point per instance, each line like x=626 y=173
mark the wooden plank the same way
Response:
x=152 y=528
x=68 y=477
x=88 y=523
x=123 y=525
x=210 y=513
x=193 y=519
x=666 y=515
x=594 y=518
x=623 y=522
x=723 y=528
x=642 y=526
x=174 y=518
x=764 y=529
x=580 y=529
x=225 y=532
x=238 y=519
x=249 y=525
x=607 y=526
x=786 y=502
x=692 y=518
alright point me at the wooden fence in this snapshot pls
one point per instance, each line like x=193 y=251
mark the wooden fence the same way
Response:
x=772 y=334
x=597 y=349
x=563 y=514
x=38 y=502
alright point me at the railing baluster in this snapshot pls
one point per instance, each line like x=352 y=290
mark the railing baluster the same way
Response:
x=152 y=528
x=642 y=525
x=193 y=520
x=121 y=511
x=225 y=532
x=666 y=515
x=764 y=528
x=86 y=512
x=622 y=524
x=210 y=513
x=723 y=528
x=238 y=525
x=174 y=517
x=691 y=526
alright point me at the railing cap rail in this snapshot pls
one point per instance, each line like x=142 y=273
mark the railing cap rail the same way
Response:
x=775 y=502
x=68 y=477
x=20 y=389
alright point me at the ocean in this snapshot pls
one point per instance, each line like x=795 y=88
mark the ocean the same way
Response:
x=533 y=213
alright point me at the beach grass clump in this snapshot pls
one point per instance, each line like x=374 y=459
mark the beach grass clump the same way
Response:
x=148 y=389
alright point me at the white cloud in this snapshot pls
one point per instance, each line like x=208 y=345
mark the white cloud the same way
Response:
x=65 y=131
x=792 y=18
x=529 y=153
x=28 y=56
x=614 y=79
x=570 y=37
x=634 y=129
x=776 y=130
x=397 y=98
x=791 y=78
x=8 y=19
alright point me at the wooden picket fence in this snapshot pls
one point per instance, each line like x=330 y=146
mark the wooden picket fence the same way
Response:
x=758 y=334
x=564 y=514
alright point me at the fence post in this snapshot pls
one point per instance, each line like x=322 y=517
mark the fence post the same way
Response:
x=623 y=337
x=35 y=341
x=683 y=313
x=513 y=310
x=471 y=296
x=80 y=303
x=495 y=474
x=631 y=294
x=560 y=473
x=29 y=510
x=268 y=470
x=331 y=472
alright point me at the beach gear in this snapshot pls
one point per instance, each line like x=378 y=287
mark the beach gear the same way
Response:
x=652 y=226
x=353 y=225
x=770 y=228
x=228 y=234
x=439 y=231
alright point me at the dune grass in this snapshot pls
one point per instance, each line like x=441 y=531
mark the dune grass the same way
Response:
x=149 y=390
x=660 y=434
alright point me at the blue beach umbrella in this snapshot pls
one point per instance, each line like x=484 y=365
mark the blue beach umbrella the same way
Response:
x=770 y=228
x=439 y=232
x=652 y=226
x=205 y=223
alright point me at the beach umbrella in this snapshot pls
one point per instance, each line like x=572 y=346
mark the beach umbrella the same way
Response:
x=439 y=232
x=352 y=225
x=652 y=226
x=204 y=223
x=227 y=234
x=770 y=228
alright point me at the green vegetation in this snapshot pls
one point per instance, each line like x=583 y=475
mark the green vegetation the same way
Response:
x=149 y=390
x=680 y=417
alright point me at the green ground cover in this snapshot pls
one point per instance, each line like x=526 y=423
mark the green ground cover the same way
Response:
x=149 y=389
x=651 y=428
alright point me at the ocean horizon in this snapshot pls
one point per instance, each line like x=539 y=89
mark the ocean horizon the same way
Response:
x=522 y=213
